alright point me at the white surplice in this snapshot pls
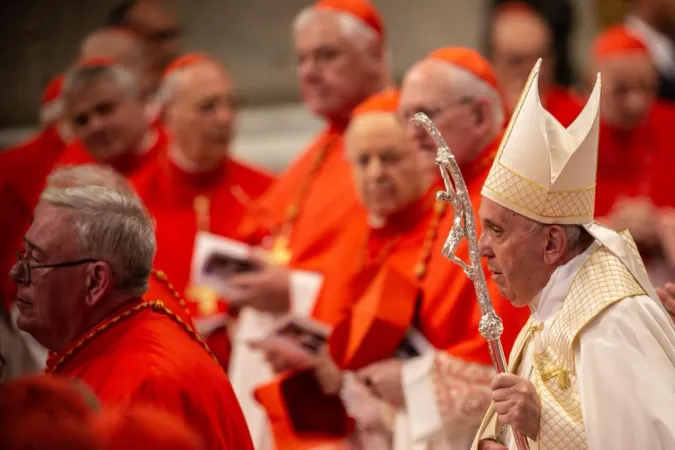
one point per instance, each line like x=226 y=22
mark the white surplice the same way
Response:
x=626 y=367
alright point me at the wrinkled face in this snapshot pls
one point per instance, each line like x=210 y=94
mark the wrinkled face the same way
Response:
x=629 y=87
x=515 y=255
x=51 y=305
x=161 y=31
x=386 y=167
x=106 y=118
x=463 y=121
x=202 y=114
x=335 y=71
x=518 y=41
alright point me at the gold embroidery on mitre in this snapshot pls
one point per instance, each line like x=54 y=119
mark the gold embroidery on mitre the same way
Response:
x=602 y=281
x=514 y=188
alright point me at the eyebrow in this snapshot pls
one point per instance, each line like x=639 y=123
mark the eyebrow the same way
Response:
x=489 y=223
x=32 y=245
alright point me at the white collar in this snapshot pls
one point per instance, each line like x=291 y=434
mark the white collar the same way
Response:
x=660 y=47
x=550 y=299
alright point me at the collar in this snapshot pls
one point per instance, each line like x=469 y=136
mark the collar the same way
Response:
x=549 y=301
x=181 y=173
x=660 y=47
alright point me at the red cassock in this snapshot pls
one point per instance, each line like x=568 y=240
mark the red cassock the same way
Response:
x=128 y=165
x=184 y=203
x=637 y=162
x=23 y=170
x=307 y=206
x=142 y=355
x=563 y=104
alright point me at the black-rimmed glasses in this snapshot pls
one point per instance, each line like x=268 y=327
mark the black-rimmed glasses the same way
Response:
x=27 y=267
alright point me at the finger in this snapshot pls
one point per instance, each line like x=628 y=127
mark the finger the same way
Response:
x=245 y=280
x=502 y=394
x=670 y=288
x=503 y=407
x=504 y=380
x=259 y=257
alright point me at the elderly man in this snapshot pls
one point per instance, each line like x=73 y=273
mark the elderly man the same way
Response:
x=457 y=88
x=635 y=189
x=82 y=278
x=197 y=185
x=157 y=25
x=654 y=21
x=105 y=108
x=390 y=244
x=592 y=304
x=341 y=61
x=120 y=45
x=518 y=36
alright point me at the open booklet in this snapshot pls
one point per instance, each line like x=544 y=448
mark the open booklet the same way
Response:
x=215 y=258
x=302 y=338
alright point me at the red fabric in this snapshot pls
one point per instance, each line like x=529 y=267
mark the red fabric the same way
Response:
x=44 y=412
x=385 y=101
x=144 y=357
x=143 y=428
x=23 y=170
x=616 y=41
x=184 y=61
x=169 y=192
x=53 y=89
x=563 y=104
x=96 y=61
x=467 y=59
x=637 y=162
x=330 y=201
x=361 y=9
x=128 y=164
x=449 y=313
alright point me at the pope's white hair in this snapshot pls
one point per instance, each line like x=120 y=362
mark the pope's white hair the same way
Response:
x=470 y=86
x=122 y=77
x=577 y=236
x=355 y=29
x=112 y=227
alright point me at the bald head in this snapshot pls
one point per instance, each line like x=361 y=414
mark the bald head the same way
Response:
x=200 y=110
x=120 y=45
x=387 y=170
x=518 y=38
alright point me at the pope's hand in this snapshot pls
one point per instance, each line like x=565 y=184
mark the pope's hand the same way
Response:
x=517 y=404
x=487 y=444
x=385 y=380
x=667 y=296
x=265 y=289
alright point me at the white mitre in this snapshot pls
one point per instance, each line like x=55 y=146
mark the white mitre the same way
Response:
x=547 y=172
x=543 y=170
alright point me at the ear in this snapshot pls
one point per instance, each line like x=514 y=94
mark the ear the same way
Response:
x=556 y=244
x=99 y=282
x=483 y=117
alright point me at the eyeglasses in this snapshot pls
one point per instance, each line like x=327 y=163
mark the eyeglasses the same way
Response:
x=433 y=113
x=27 y=267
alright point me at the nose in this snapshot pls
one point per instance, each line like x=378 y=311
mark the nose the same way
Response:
x=375 y=170
x=307 y=70
x=225 y=114
x=484 y=248
x=15 y=273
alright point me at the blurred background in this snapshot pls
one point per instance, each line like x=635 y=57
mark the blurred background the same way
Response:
x=40 y=38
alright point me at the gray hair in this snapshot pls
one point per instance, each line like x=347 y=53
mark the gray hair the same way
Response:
x=473 y=87
x=121 y=76
x=112 y=227
x=577 y=236
x=51 y=112
x=167 y=89
x=352 y=27
x=89 y=175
